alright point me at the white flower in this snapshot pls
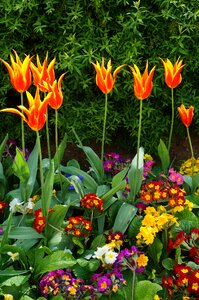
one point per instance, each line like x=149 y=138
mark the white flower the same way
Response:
x=30 y=204
x=15 y=205
x=101 y=251
x=110 y=257
x=13 y=256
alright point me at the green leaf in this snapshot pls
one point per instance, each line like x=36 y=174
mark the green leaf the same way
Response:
x=119 y=177
x=55 y=220
x=164 y=156
x=113 y=191
x=155 y=250
x=8 y=272
x=88 y=181
x=60 y=152
x=135 y=175
x=47 y=190
x=2 y=146
x=125 y=215
x=57 y=260
x=168 y=263
x=24 y=233
x=146 y=290
x=20 y=167
x=16 y=280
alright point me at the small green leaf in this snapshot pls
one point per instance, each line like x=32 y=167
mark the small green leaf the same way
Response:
x=146 y=290
x=164 y=156
x=47 y=190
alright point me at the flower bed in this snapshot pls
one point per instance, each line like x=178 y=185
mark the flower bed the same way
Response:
x=123 y=229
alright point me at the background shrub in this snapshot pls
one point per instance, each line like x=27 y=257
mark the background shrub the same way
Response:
x=80 y=32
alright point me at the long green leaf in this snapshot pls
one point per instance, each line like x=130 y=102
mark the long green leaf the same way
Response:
x=135 y=175
x=24 y=233
x=124 y=216
x=164 y=156
x=2 y=146
x=47 y=190
x=60 y=152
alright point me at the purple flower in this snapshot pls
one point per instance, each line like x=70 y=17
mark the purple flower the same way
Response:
x=108 y=165
x=103 y=283
x=1 y=230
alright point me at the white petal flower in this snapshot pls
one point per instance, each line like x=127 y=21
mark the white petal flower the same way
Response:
x=13 y=256
x=110 y=257
x=101 y=251
x=15 y=205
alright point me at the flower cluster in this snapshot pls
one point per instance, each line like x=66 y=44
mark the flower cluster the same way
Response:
x=186 y=167
x=60 y=282
x=40 y=221
x=78 y=226
x=114 y=163
x=153 y=222
x=91 y=201
x=175 y=177
x=148 y=164
x=185 y=281
x=115 y=237
x=163 y=190
x=189 y=243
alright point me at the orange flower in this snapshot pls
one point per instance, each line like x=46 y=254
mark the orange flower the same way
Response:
x=142 y=83
x=186 y=115
x=36 y=114
x=104 y=79
x=43 y=75
x=56 y=97
x=172 y=73
x=19 y=72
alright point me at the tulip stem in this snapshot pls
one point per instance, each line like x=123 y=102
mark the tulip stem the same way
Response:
x=47 y=135
x=56 y=129
x=104 y=127
x=191 y=148
x=139 y=134
x=40 y=166
x=172 y=119
x=22 y=129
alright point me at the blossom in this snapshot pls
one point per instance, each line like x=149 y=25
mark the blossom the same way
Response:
x=36 y=114
x=43 y=74
x=142 y=83
x=56 y=98
x=142 y=260
x=19 y=72
x=15 y=205
x=104 y=79
x=91 y=201
x=78 y=226
x=172 y=73
x=8 y=297
x=103 y=284
x=3 y=205
x=13 y=256
x=186 y=115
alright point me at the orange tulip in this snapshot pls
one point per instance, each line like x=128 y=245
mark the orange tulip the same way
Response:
x=36 y=114
x=142 y=83
x=56 y=98
x=172 y=73
x=43 y=75
x=186 y=115
x=19 y=72
x=104 y=79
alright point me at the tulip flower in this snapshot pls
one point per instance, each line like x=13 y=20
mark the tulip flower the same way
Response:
x=105 y=82
x=104 y=79
x=35 y=116
x=56 y=97
x=142 y=83
x=19 y=72
x=142 y=89
x=43 y=75
x=172 y=73
x=186 y=115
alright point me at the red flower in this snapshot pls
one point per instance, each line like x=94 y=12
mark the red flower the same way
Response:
x=91 y=201
x=172 y=72
x=186 y=115
x=39 y=224
x=3 y=205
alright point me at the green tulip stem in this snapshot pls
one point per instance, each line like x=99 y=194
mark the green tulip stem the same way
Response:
x=172 y=119
x=40 y=166
x=104 y=127
x=22 y=129
x=56 y=129
x=191 y=148
x=139 y=133
x=47 y=135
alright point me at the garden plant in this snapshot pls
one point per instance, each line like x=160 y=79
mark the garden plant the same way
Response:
x=123 y=229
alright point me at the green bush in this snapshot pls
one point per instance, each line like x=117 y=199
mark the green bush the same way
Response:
x=80 y=32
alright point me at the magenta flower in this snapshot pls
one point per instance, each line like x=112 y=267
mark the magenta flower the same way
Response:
x=103 y=284
x=108 y=165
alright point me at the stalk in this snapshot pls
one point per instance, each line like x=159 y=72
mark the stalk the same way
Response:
x=139 y=133
x=191 y=148
x=22 y=129
x=104 y=127
x=172 y=120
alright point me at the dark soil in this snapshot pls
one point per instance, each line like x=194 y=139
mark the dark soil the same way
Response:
x=180 y=150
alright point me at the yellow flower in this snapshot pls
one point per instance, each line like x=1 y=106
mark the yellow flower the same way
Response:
x=147 y=157
x=149 y=221
x=8 y=297
x=142 y=260
x=156 y=297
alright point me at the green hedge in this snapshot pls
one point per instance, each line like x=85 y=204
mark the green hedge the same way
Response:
x=80 y=32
